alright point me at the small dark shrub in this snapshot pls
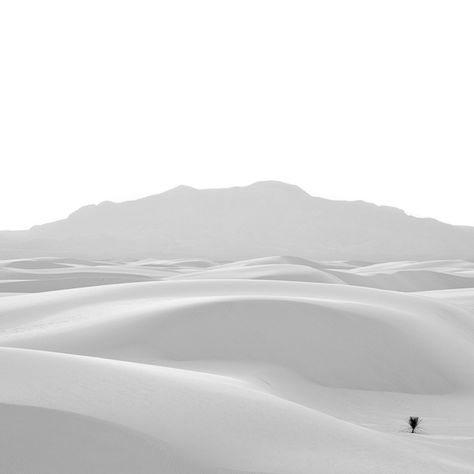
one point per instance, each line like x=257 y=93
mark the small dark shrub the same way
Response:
x=414 y=422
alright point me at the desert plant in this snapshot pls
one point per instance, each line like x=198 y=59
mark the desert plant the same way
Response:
x=414 y=422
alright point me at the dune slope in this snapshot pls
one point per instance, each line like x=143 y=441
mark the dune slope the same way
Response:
x=212 y=419
x=236 y=376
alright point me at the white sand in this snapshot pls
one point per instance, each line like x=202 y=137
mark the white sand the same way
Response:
x=238 y=373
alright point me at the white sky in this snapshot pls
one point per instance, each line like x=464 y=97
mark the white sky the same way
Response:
x=115 y=100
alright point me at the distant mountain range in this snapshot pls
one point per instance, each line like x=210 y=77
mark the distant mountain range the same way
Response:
x=265 y=218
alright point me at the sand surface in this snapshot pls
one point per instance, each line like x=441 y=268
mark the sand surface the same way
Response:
x=272 y=365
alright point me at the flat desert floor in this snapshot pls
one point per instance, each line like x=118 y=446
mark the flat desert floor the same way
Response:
x=271 y=365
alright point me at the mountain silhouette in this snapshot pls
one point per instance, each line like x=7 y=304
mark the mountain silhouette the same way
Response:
x=265 y=218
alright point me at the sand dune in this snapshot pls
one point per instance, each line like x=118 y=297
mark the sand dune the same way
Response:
x=411 y=276
x=209 y=417
x=236 y=368
x=276 y=260
x=78 y=444
x=286 y=272
x=48 y=274
x=419 y=280
x=463 y=297
x=327 y=331
x=61 y=282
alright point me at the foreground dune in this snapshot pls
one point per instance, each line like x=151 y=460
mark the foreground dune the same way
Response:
x=78 y=444
x=214 y=420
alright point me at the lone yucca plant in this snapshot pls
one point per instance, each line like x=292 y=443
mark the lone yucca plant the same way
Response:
x=414 y=422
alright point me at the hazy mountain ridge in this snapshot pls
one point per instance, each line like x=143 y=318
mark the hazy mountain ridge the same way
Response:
x=265 y=218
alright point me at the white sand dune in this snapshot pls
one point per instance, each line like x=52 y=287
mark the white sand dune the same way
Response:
x=42 y=263
x=287 y=272
x=327 y=331
x=47 y=274
x=411 y=276
x=276 y=260
x=78 y=444
x=463 y=297
x=225 y=370
x=60 y=282
x=421 y=280
x=214 y=420
x=398 y=276
x=179 y=263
